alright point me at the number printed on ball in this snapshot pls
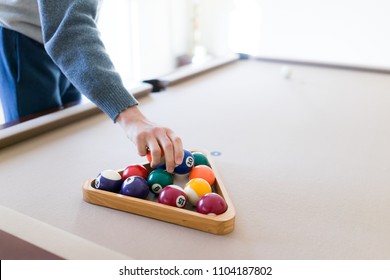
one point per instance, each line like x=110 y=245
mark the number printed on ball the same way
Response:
x=190 y=161
x=181 y=201
x=156 y=188
x=129 y=180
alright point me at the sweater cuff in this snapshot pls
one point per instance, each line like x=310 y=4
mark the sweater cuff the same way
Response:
x=114 y=100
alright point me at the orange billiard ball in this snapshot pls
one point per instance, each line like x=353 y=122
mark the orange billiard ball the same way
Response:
x=149 y=157
x=204 y=172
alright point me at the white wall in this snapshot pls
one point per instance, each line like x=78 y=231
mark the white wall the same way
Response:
x=353 y=32
x=115 y=28
x=164 y=34
x=145 y=36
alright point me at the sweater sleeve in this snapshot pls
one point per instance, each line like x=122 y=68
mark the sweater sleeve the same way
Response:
x=72 y=40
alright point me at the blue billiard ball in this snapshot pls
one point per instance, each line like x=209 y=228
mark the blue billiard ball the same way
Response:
x=109 y=180
x=187 y=164
x=135 y=186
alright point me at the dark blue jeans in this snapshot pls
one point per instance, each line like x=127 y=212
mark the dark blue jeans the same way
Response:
x=30 y=82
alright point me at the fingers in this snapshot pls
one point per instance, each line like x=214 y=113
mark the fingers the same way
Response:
x=148 y=136
x=142 y=147
x=177 y=147
x=173 y=149
x=147 y=143
x=156 y=153
x=161 y=142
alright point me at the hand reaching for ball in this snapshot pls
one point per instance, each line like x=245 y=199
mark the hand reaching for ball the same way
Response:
x=150 y=137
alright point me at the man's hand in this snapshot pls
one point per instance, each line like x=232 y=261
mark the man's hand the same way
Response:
x=148 y=136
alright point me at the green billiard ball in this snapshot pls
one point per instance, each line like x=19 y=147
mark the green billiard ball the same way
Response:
x=159 y=179
x=200 y=159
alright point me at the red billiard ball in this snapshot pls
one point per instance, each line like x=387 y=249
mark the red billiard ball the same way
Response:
x=135 y=170
x=211 y=204
x=173 y=195
x=108 y=180
x=135 y=186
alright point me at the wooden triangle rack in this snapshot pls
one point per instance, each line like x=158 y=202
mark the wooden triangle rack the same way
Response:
x=188 y=217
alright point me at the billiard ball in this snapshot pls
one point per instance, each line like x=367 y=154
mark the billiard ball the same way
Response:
x=186 y=165
x=159 y=179
x=200 y=159
x=135 y=170
x=163 y=166
x=135 y=186
x=109 y=180
x=195 y=189
x=286 y=72
x=149 y=157
x=173 y=195
x=204 y=172
x=211 y=204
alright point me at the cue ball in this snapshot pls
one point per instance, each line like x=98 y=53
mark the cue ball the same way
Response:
x=173 y=195
x=286 y=72
x=135 y=170
x=211 y=204
x=159 y=179
x=135 y=186
x=186 y=165
x=109 y=180
x=204 y=172
x=196 y=188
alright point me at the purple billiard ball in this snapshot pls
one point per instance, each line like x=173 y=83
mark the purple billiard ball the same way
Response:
x=109 y=180
x=135 y=186
x=187 y=164
x=211 y=204
x=173 y=195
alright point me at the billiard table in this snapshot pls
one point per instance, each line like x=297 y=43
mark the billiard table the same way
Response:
x=304 y=158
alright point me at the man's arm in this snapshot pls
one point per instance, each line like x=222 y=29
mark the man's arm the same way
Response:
x=72 y=40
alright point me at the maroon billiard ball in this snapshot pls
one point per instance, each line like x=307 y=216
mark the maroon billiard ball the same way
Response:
x=108 y=180
x=211 y=204
x=135 y=170
x=173 y=195
x=135 y=186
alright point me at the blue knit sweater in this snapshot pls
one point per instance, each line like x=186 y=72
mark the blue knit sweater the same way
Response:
x=72 y=40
